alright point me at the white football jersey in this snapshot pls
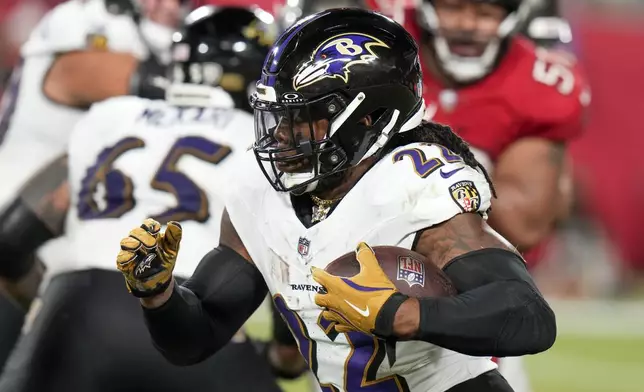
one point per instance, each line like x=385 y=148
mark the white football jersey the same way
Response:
x=132 y=158
x=412 y=188
x=33 y=129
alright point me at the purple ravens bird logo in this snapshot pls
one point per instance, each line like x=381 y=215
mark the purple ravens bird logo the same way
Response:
x=333 y=58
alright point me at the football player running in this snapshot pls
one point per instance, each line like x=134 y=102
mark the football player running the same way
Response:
x=81 y=52
x=516 y=104
x=128 y=158
x=345 y=159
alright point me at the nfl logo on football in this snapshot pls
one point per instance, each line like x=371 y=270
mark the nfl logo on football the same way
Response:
x=411 y=271
x=303 y=247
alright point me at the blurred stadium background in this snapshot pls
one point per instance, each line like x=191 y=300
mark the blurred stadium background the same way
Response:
x=593 y=269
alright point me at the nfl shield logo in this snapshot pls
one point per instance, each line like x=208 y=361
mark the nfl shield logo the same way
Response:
x=411 y=271
x=303 y=246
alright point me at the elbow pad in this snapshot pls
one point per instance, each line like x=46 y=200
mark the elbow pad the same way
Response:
x=21 y=233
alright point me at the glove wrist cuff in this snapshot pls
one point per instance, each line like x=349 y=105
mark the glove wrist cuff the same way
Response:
x=160 y=288
x=384 y=326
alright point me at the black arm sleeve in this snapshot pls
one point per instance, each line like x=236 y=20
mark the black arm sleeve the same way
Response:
x=21 y=233
x=205 y=312
x=499 y=311
x=33 y=218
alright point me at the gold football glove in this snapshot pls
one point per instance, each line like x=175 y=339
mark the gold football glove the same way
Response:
x=354 y=303
x=147 y=257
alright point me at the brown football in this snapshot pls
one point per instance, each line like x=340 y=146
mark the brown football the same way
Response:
x=412 y=273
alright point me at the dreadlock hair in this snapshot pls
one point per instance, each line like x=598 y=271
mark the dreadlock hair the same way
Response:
x=435 y=133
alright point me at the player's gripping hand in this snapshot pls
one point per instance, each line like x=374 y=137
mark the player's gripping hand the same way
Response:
x=147 y=257
x=354 y=303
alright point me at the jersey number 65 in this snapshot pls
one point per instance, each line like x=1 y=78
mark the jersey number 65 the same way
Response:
x=107 y=192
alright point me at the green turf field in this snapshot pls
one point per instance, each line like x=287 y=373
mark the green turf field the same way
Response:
x=589 y=364
x=600 y=348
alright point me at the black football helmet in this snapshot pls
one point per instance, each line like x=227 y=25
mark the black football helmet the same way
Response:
x=220 y=47
x=336 y=68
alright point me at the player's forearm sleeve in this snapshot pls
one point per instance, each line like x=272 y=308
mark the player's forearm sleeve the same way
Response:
x=499 y=311
x=21 y=233
x=205 y=312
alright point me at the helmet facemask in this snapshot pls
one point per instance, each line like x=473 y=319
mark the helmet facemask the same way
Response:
x=303 y=143
x=464 y=69
x=292 y=142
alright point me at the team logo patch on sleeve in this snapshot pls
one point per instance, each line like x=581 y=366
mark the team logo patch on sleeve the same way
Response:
x=466 y=196
x=411 y=271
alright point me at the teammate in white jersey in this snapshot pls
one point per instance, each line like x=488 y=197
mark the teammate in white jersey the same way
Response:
x=348 y=159
x=89 y=334
x=81 y=52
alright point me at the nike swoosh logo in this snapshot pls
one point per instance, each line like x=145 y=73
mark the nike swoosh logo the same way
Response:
x=364 y=313
x=450 y=173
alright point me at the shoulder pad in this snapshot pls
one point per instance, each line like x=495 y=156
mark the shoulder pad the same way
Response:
x=107 y=116
x=113 y=105
x=435 y=183
x=62 y=29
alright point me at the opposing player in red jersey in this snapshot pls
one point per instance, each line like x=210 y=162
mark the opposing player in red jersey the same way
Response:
x=515 y=103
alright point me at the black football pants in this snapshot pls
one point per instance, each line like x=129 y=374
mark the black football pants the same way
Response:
x=89 y=336
x=491 y=381
x=11 y=320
